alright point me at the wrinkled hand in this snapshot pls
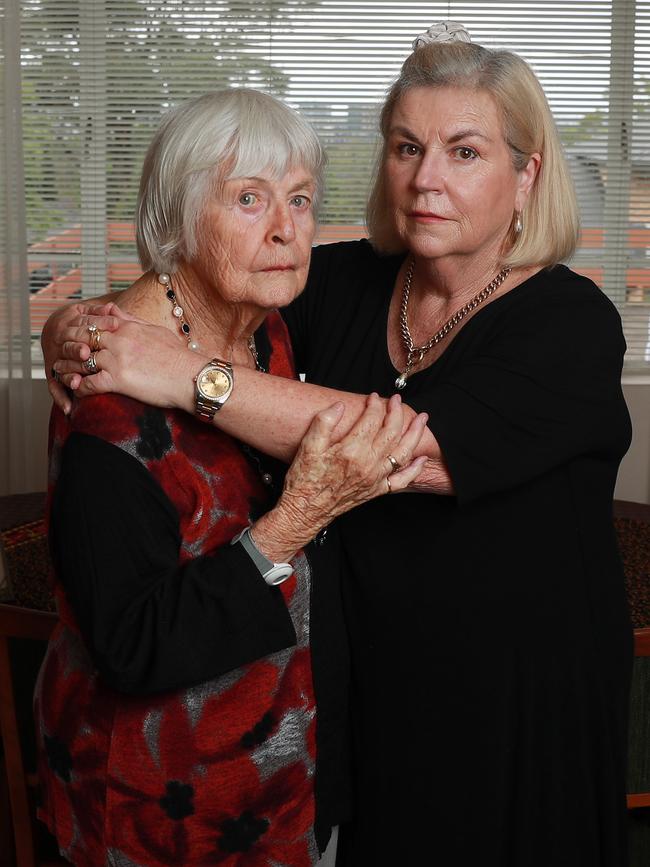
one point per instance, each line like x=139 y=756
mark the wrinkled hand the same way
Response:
x=329 y=478
x=57 y=345
x=136 y=358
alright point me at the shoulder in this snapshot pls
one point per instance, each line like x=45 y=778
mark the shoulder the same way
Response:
x=345 y=255
x=111 y=431
x=347 y=272
x=557 y=318
x=561 y=286
x=566 y=301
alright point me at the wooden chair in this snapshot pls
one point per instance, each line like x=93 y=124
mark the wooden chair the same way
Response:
x=632 y=524
x=639 y=769
x=23 y=623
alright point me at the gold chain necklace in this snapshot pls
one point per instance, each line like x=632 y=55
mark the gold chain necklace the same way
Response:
x=179 y=314
x=415 y=354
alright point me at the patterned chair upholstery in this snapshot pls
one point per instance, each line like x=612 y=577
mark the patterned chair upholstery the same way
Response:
x=25 y=561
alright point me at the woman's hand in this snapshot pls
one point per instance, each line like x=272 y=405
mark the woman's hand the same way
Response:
x=147 y=362
x=56 y=345
x=328 y=478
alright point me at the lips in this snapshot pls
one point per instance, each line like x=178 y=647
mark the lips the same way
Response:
x=279 y=268
x=426 y=216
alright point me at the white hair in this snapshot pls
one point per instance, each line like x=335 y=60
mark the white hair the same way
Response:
x=221 y=135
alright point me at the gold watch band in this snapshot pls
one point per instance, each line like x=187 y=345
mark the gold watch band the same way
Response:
x=205 y=404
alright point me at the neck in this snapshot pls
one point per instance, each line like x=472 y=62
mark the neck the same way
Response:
x=452 y=281
x=218 y=327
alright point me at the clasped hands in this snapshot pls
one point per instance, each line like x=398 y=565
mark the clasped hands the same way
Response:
x=330 y=473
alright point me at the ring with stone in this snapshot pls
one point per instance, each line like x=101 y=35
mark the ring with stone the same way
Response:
x=90 y=364
x=395 y=464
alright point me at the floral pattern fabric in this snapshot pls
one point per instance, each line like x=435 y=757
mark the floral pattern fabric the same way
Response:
x=219 y=773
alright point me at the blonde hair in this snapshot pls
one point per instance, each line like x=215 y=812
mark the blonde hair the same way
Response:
x=551 y=218
x=221 y=135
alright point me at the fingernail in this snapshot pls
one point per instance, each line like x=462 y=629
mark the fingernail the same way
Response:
x=424 y=417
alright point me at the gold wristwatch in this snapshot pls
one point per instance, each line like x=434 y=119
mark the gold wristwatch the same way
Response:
x=214 y=384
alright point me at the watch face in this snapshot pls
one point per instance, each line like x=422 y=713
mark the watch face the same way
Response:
x=214 y=383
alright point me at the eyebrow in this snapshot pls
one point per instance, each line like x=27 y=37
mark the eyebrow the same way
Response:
x=404 y=131
x=457 y=136
x=307 y=181
x=304 y=182
x=467 y=133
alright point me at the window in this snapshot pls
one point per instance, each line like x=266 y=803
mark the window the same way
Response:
x=88 y=80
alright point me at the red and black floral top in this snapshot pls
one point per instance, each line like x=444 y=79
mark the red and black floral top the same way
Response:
x=176 y=704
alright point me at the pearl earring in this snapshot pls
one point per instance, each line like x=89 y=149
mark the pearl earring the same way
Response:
x=519 y=223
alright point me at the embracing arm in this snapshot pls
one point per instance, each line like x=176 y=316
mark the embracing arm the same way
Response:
x=148 y=363
x=152 y=623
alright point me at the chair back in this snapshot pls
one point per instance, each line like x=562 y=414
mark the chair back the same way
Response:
x=24 y=629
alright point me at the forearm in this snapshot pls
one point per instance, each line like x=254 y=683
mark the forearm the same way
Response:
x=272 y=413
x=194 y=624
x=147 y=362
x=433 y=479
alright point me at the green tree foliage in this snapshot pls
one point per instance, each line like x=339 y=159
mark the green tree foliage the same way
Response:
x=51 y=140
x=165 y=47
x=347 y=188
x=594 y=123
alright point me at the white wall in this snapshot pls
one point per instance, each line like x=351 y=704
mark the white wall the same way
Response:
x=26 y=460
x=23 y=447
x=634 y=475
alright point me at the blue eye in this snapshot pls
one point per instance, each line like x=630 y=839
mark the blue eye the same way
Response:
x=247 y=199
x=301 y=202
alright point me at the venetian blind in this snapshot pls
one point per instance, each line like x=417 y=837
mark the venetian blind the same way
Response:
x=96 y=76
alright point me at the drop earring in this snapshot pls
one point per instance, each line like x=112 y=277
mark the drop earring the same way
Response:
x=519 y=223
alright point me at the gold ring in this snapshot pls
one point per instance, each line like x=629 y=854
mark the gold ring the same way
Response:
x=390 y=490
x=395 y=464
x=90 y=364
x=95 y=338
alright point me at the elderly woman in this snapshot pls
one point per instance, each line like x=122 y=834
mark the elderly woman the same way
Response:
x=192 y=704
x=490 y=638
